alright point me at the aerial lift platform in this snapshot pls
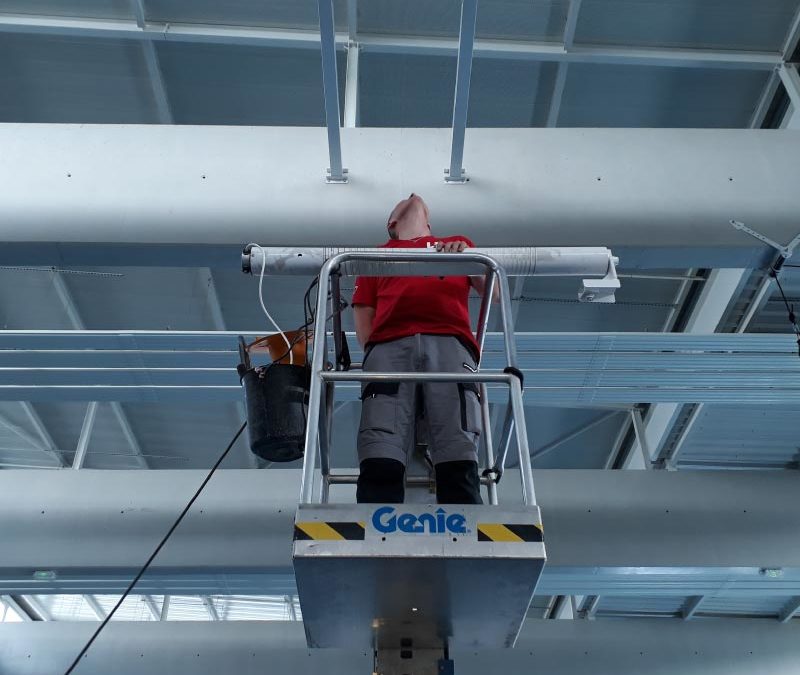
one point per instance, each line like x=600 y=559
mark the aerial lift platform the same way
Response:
x=412 y=581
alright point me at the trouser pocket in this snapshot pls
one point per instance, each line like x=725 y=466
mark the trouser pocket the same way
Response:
x=379 y=407
x=470 y=401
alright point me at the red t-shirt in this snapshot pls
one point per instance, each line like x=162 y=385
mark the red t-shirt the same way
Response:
x=409 y=305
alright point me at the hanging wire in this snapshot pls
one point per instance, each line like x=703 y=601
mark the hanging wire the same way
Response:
x=789 y=307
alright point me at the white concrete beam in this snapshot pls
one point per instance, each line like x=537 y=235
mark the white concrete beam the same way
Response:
x=631 y=647
x=588 y=187
x=649 y=519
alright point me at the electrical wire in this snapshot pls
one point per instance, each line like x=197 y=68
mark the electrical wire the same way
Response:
x=155 y=552
x=789 y=308
x=264 y=307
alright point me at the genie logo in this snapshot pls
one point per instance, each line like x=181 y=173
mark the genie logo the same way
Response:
x=385 y=520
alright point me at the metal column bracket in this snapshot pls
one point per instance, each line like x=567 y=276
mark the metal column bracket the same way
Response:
x=601 y=290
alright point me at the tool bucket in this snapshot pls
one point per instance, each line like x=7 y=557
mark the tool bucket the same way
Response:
x=276 y=397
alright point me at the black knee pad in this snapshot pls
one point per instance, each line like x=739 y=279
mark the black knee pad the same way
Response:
x=381 y=481
x=458 y=483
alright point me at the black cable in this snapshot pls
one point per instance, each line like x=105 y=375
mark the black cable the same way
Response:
x=155 y=552
x=789 y=308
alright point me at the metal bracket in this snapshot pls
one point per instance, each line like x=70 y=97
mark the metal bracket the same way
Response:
x=601 y=290
x=455 y=181
x=337 y=180
x=785 y=251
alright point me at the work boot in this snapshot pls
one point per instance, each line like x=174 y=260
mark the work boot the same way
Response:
x=381 y=481
x=458 y=483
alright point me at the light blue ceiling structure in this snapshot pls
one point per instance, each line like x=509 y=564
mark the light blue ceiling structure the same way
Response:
x=595 y=63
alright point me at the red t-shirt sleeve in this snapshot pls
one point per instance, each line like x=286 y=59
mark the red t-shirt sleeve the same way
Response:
x=366 y=291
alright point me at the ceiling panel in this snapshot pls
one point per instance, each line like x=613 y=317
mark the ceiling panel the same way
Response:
x=417 y=91
x=73 y=80
x=233 y=84
x=273 y=13
x=744 y=436
x=602 y=95
x=759 y=25
x=497 y=19
x=400 y=90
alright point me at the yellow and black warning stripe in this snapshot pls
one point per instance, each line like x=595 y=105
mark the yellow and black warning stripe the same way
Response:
x=328 y=531
x=509 y=532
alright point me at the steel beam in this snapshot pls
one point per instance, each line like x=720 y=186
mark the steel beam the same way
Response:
x=85 y=436
x=792 y=38
x=561 y=76
x=791 y=609
x=735 y=647
x=466 y=42
x=351 y=89
x=718 y=291
x=152 y=607
x=13 y=603
x=153 y=67
x=765 y=100
x=505 y=49
x=38 y=608
x=580 y=370
x=330 y=82
x=62 y=184
x=77 y=323
x=791 y=80
x=47 y=440
x=29 y=438
x=691 y=607
x=94 y=605
x=218 y=322
x=208 y=603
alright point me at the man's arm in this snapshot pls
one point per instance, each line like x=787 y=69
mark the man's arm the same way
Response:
x=477 y=282
x=363 y=316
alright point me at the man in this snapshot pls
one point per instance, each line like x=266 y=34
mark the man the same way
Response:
x=418 y=324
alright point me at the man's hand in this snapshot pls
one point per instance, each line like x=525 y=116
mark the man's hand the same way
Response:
x=457 y=246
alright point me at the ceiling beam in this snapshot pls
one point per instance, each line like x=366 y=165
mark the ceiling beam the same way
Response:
x=208 y=603
x=218 y=323
x=95 y=606
x=14 y=603
x=790 y=610
x=718 y=291
x=152 y=607
x=570 y=27
x=153 y=67
x=33 y=441
x=505 y=49
x=77 y=323
x=85 y=436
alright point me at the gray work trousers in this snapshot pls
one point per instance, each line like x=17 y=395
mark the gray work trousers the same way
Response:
x=451 y=411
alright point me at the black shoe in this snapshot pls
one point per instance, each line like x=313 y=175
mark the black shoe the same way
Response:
x=381 y=481
x=458 y=483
